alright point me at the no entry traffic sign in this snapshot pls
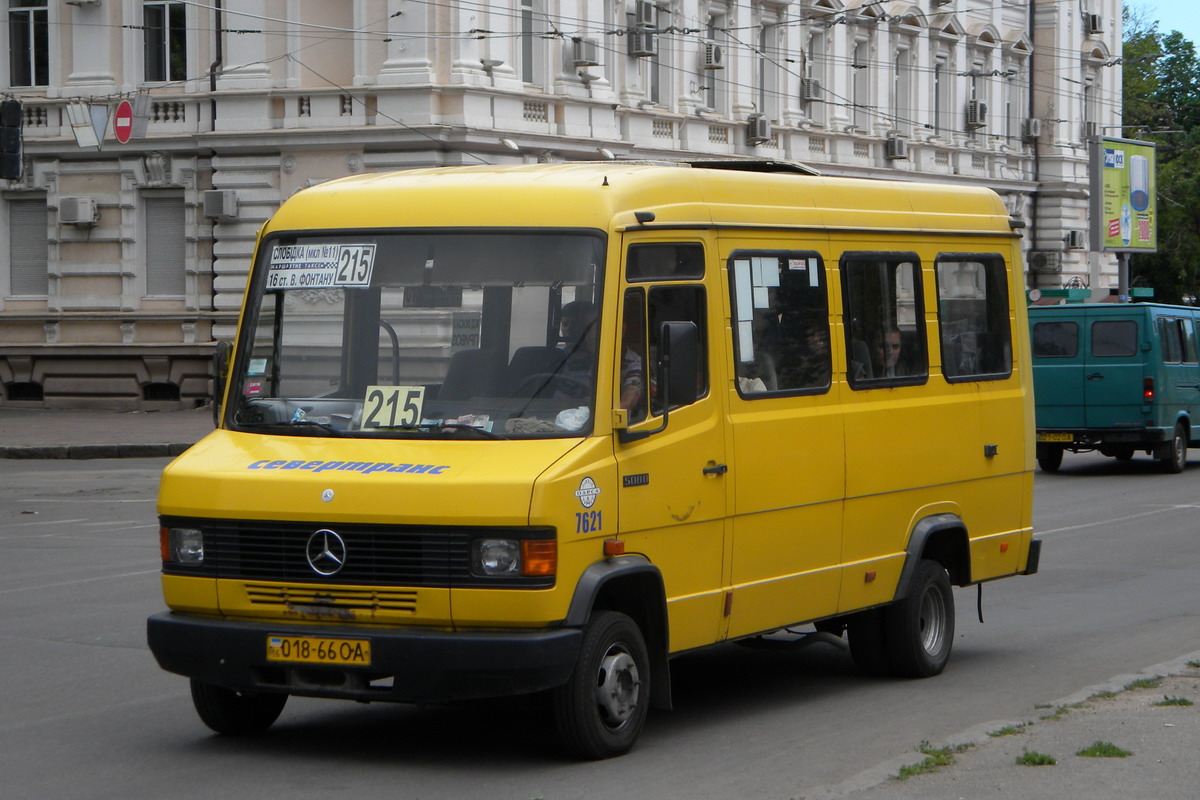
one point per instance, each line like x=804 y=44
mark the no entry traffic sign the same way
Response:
x=123 y=121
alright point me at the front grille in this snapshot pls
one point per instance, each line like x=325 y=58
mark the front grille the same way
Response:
x=275 y=595
x=376 y=555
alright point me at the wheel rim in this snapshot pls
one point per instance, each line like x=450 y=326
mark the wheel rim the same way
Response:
x=932 y=621
x=617 y=686
x=1180 y=450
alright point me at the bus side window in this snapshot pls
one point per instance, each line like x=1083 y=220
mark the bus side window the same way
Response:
x=781 y=336
x=885 y=312
x=973 y=317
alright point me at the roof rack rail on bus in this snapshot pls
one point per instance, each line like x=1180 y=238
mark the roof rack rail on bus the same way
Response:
x=754 y=165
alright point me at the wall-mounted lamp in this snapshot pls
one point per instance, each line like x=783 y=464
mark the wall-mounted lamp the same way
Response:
x=490 y=64
x=510 y=144
x=588 y=77
x=606 y=153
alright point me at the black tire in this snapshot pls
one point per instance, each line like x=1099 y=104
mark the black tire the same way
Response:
x=1049 y=457
x=601 y=709
x=1174 y=455
x=920 y=627
x=868 y=645
x=235 y=713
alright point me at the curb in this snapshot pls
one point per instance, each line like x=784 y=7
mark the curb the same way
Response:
x=89 y=451
x=978 y=734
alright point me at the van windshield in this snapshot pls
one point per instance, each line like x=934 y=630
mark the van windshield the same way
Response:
x=452 y=333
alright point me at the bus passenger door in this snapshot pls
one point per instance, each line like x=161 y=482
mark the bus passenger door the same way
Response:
x=788 y=443
x=673 y=482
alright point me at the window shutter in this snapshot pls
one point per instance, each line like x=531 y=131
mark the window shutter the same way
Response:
x=164 y=247
x=28 y=222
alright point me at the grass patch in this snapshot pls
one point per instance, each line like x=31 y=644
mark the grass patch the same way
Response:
x=1008 y=730
x=935 y=759
x=1104 y=750
x=1174 y=701
x=1103 y=696
x=1194 y=664
x=1062 y=711
x=1034 y=759
x=1145 y=683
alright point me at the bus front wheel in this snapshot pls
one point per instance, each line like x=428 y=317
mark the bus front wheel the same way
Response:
x=235 y=713
x=601 y=709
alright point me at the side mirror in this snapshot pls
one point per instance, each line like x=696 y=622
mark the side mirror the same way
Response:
x=678 y=365
x=222 y=356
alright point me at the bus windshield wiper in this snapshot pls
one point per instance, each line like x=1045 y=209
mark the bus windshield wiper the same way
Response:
x=307 y=425
x=451 y=426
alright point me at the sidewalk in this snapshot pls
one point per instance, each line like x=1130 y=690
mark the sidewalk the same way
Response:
x=1145 y=715
x=85 y=433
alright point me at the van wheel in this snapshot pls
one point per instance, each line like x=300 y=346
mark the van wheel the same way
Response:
x=1049 y=457
x=868 y=645
x=920 y=627
x=233 y=712
x=601 y=709
x=1174 y=457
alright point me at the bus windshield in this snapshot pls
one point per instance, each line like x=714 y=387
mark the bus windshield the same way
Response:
x=460 y=333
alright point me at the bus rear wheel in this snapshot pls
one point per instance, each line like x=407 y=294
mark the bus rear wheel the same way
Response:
x=1173 y=456
x=233 y=712
x=920 y=627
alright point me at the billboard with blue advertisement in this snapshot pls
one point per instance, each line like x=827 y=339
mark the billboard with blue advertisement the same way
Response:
x=1124 y=202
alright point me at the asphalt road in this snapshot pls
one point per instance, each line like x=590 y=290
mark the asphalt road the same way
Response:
x=86 y=713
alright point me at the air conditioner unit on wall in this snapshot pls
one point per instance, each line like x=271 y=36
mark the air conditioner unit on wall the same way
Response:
x=1031 y=129
x=220 y=204
x=585 y=52
x=976 y=114
x=810 y=89
x=758 y=129
x=642 y=44
x=77 y=211
x=1094 y=23
x=1091 y=130
x=1045 y=262
x=714 y=56
x=1076 y=240
x=645 y=14
x=897 y=148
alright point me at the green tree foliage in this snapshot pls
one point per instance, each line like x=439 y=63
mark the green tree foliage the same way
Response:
x=1161 y=94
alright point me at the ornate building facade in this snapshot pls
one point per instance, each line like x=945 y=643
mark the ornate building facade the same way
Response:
x=130 y=226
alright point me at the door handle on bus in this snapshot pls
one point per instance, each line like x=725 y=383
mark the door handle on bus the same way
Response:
x=716 y=469
x=1095 y=376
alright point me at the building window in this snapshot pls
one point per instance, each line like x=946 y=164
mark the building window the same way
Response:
x=28 y=43
x=166 y=41
x=814 y=76
x=714 y=84
x=531 y=41
x=860 y=85
x=28 y=255
x=165 y=247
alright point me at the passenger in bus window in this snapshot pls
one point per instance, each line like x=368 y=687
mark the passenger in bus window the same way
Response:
x=887 y=353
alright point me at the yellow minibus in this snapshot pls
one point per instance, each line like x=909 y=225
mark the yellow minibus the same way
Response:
x=494 y=431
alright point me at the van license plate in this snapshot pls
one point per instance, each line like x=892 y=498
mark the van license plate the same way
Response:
x=1056 y=437
x=313 y=650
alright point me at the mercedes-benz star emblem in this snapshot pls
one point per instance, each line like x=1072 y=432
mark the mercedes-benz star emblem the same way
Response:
x=326 y=552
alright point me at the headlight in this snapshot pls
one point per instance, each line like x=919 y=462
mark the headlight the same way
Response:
x=514 y=557
x=183 y=545
x=497 y=556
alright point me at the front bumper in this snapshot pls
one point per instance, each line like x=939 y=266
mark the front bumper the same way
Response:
x=408 y=665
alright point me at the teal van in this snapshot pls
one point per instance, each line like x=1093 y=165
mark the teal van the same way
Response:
x=1117 y=378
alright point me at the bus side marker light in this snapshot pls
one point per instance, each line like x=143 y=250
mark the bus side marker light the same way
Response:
x=1004 y=547
x=869 y=577
x=614 y=547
